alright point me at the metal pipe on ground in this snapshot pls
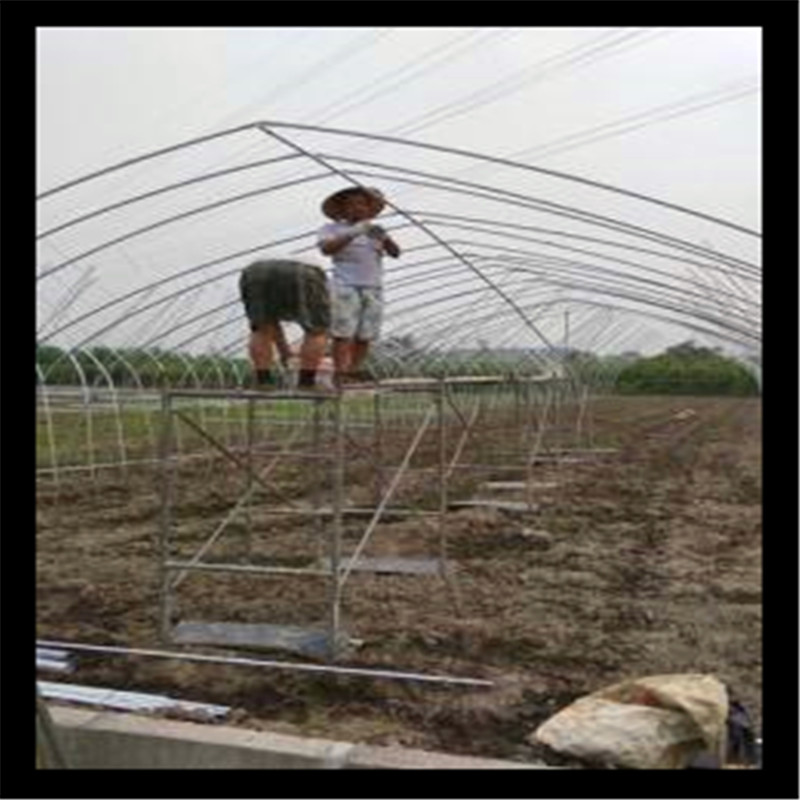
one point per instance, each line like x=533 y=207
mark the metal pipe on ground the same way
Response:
x=288 y=665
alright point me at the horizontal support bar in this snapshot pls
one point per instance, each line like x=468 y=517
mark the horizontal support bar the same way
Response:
x=327 y=511
x=491 y=467
x=248 y=568
x=289 y=454
x=208 y=455
x=464 y=380
x=126 y=463
x=252 y=394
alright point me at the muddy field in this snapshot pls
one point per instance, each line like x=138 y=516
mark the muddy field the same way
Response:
x=642 y=561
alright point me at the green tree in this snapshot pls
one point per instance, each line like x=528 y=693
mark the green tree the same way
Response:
x=688 y=370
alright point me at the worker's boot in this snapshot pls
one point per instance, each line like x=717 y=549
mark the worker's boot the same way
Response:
x=266 y=380
x=307 y=382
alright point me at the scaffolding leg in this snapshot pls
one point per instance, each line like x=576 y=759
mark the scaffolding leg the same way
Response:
x=248 y=518
x=377 y=444
x=320 y=469
x=444 y=566
x=167 y=482
x=335 y=540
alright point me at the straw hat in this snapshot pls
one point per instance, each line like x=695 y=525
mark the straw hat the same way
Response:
x=331 y=206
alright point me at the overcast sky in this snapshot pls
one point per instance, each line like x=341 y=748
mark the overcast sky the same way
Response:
x=671 y=113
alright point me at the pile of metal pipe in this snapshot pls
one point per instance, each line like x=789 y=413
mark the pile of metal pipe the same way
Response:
x=52 y=660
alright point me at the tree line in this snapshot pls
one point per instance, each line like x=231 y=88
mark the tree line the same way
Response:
x=687 y=369
x=682 y=369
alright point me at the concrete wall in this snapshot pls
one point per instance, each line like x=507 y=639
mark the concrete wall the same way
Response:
x=109 y=740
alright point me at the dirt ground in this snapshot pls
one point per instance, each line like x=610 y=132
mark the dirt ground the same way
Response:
x=642 y=561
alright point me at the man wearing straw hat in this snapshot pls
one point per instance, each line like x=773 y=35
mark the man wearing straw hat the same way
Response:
x=278 y=290
x=356 y=246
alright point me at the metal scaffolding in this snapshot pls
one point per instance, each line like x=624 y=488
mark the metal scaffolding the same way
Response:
x=431 y=422
x=173 y=570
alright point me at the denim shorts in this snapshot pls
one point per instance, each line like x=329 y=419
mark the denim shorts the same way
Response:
x=357 y=312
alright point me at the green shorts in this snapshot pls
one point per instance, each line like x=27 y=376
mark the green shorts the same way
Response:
x=282 y=290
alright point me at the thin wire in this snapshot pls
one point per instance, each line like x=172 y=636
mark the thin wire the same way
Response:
x=652 y=116
x=575 y=57
x=352 y=48
x=378 y=87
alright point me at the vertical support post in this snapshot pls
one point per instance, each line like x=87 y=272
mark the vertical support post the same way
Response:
x=377 y=448
x=528 y=437
x=51 y=441
x=558 y=419
x=442 y=476
x=248 y=520
x=581 y=410
x=535 y=447
x=528 y=443
x=119 y=412
x=90 y=440
x=442 y=459
x=167 y=482
x=444 y=565
x=320 y=466
x=336 y=527
x=517 y=426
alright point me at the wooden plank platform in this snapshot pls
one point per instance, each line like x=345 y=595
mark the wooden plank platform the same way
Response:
x=307 y=641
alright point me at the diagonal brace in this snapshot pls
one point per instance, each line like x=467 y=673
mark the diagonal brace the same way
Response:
x=387 y=496
x=230 y=456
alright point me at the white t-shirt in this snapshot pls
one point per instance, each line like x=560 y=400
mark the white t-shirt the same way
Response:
x=358 y=263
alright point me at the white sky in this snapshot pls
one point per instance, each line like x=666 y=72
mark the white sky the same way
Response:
x=690 y=98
